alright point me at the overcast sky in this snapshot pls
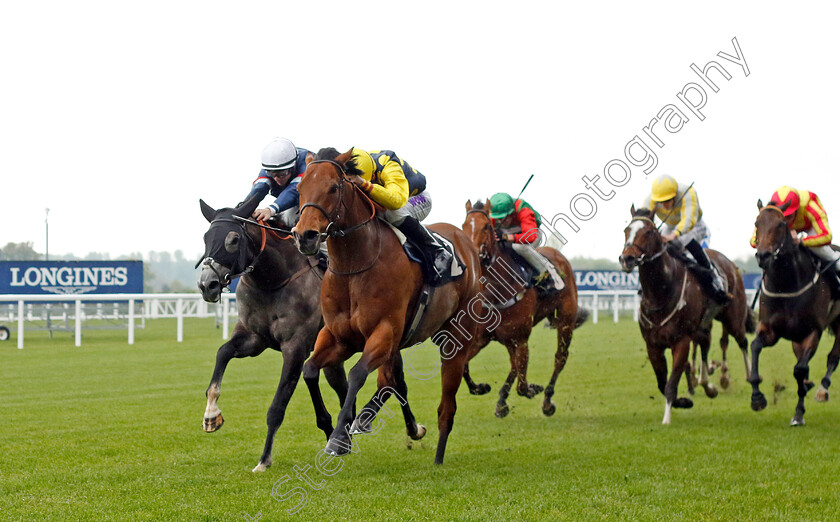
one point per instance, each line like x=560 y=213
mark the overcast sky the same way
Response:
x=118 y=117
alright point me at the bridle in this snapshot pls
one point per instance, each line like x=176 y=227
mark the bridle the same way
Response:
x=209 y=262
x=643 y=257
x=484 y=252
x=333 y=217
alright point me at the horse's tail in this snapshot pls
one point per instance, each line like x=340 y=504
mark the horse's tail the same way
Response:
x=582 y=316
x=750 y=321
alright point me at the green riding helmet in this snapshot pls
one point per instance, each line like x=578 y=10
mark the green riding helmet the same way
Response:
x=501 y=205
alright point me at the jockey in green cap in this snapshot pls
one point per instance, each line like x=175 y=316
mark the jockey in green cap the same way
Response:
x=508 y=214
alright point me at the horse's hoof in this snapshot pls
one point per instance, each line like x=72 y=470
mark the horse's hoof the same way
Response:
x=758 y=402
x=421 y=432
x=502 y=410
x=684 y=403
x=211 y=425
x=797 y=421
x=724 y=381
x=549 y=410
x=358 y=429
x=336 y=448
x=711 y=391
x=262 y=466
x=480 y=389
x=822 y=395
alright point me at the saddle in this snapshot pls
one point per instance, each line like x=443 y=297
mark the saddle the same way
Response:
x=528 y=274
x=422 y=256
x=827 y=269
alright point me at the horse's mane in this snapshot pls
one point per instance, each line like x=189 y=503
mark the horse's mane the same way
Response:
x=330 y=154
x=643 y=212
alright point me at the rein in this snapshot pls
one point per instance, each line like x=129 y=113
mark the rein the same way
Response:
x=339 y=233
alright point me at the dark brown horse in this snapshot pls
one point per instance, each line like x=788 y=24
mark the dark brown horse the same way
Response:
x=674 y=311
x=277 y=299
x=515 y=322
x=796 y=304
x=370 y=290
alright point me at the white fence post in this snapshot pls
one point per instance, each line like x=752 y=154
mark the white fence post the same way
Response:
x=615 y=308
x=225 y=326
x=636 y=304
x=179 y=313
x=78 y=322
x=595 y=309
x=131 y=321
x=20 y=325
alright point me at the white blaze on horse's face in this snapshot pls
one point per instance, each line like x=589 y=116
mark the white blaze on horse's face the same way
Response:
x=632 y=230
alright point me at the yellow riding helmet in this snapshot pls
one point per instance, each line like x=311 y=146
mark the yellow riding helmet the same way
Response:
x=364 y=162
x=664 y=188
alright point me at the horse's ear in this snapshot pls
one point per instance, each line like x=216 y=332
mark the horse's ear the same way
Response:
x=632 y=209
x=309 y=157
x=760 y=204
x=344 y=158
x=207 y=211
x=248 y=206
x=785 y=206
x=488 y=206
x=468 y=206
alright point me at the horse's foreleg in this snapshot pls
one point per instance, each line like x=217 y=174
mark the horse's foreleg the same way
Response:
x=831 y=365
x=475 y=388
x=680 y=356
x=758 y=402
x=243 y=343
x=293 y=357
x=378 y=351
x=328 y=353
x=564 y=339
x=804 y=352
x=523 y=388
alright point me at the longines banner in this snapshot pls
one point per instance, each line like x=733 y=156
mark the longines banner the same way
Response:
x=618 y=280
x=71 y=277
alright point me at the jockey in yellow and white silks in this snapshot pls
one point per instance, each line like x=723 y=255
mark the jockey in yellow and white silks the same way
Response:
x=678 y=206
x=401 y=189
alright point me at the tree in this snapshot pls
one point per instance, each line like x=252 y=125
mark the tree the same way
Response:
x=19 y=252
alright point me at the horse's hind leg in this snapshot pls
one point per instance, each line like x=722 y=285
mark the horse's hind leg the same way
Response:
x=523 y=388
x=705 y=343
x=480 y=388
x=724 y=368
x=391 y=382
x=831 y=365
x=293 y=358
x=804 y=352
x=564 y=339
x=243 y=343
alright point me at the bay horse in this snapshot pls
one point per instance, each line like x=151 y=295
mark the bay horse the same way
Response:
x=370 y=289
x=277 y=299
x=796 y=304
x=513 y=327
x=674 y=311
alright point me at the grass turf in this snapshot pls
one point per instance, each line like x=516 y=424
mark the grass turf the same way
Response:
x=109 y=431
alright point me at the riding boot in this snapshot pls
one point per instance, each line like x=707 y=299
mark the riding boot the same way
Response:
x=420 y=235
x=712 y=278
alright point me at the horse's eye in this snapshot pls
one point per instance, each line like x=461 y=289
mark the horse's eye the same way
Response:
x=333 y=189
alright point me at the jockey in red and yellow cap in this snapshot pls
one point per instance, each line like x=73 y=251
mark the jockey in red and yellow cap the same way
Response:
x=805 y=213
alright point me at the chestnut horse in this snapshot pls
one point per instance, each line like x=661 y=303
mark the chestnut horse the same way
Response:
x=277 y=298
x=796 y=304
x=674 y=310
x=370 y=290
x=515 y=322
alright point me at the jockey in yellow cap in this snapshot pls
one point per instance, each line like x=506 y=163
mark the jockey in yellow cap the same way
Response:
x=804 y=212
x=401 y=189
x=678 y=207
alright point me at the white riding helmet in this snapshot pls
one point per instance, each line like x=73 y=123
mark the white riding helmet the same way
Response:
x=279 y=154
